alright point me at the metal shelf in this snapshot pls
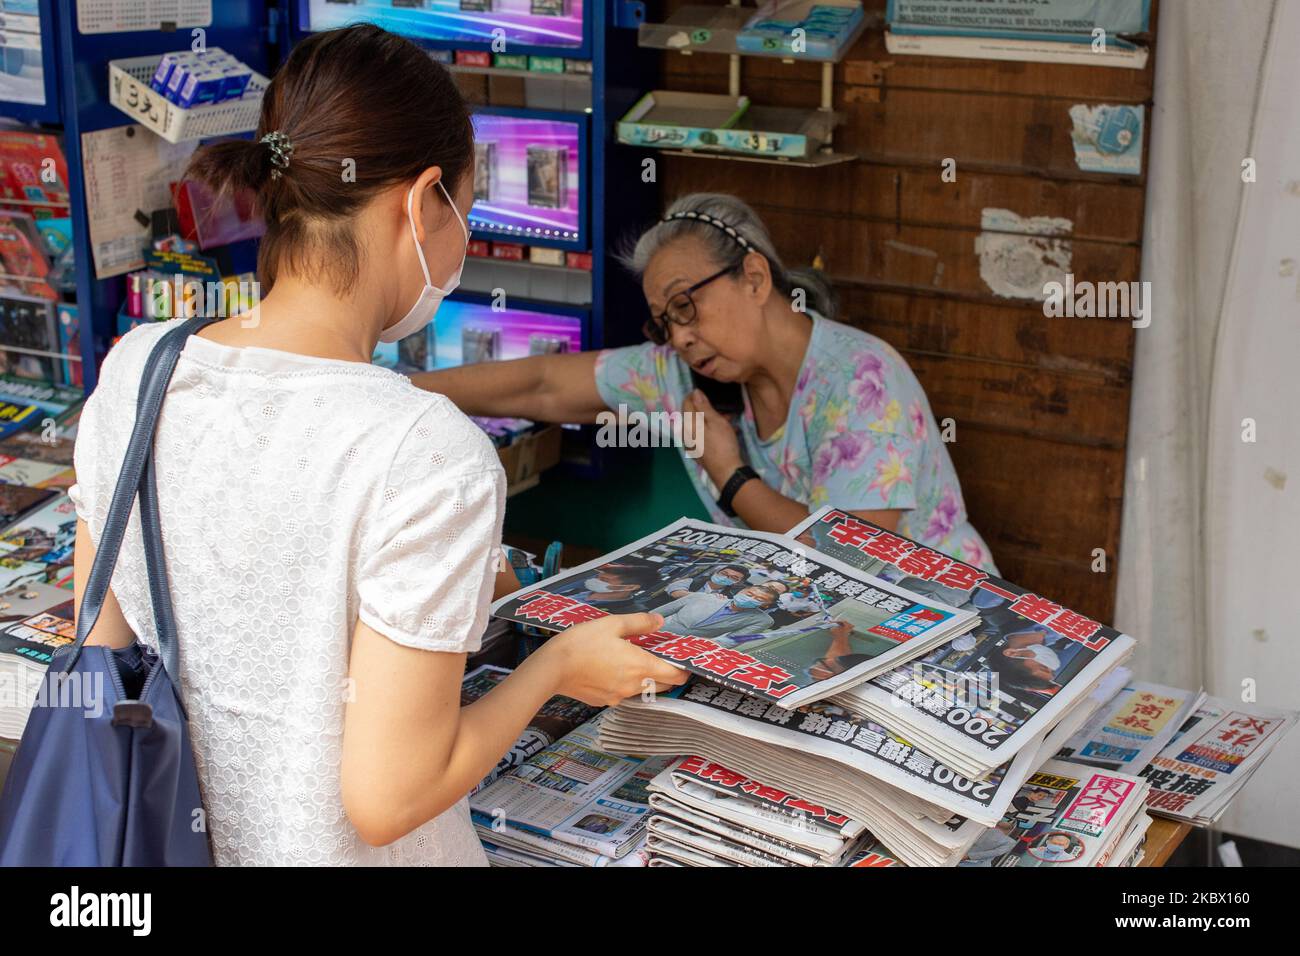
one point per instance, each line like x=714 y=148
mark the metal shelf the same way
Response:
x=713 y=29
x=808 y=162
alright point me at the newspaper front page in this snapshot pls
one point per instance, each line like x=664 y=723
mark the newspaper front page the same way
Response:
x=754 y=612
x=985 y=693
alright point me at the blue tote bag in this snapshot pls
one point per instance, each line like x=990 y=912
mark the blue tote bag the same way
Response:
x=104 y=774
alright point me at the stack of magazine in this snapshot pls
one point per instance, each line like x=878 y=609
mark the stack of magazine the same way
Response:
x=569 y=804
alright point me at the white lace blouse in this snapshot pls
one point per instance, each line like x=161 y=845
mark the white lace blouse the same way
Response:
x=297 y=494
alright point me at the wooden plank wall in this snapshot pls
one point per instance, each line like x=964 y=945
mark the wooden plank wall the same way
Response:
x=1041 y=405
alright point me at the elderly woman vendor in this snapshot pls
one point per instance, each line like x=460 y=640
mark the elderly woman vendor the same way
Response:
x=828 y=414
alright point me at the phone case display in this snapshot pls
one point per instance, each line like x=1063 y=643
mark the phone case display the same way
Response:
x=536 y=23
x=527 y=178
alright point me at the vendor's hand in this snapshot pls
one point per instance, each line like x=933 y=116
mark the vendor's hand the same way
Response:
x=597 y=666
x=719 y=449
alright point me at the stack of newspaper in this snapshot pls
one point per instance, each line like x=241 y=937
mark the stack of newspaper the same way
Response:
x=979 y=700
x=863 y=671
x=1068 y=814
x=773 y=627
x=569 y=804
x=703 y=814
x=925 y=812
x=1211 y=757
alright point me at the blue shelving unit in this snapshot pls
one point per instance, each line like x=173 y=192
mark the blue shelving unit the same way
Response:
x=244 y=28
x=260 y=32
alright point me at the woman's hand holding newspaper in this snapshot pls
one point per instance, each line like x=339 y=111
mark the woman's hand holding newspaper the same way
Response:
x=594 y=664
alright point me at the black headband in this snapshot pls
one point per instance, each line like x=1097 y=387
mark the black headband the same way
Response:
x=717 y=223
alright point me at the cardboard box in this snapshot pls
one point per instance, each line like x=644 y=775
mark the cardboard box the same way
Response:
x=527 y=458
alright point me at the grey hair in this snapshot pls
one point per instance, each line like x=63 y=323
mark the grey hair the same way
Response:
x=711 y=218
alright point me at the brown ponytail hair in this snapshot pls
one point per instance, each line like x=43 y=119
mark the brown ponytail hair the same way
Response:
x=364 y=109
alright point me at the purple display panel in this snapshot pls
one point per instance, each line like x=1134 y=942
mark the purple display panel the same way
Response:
x=559 y=25
x=526 y=178
x=515 y=325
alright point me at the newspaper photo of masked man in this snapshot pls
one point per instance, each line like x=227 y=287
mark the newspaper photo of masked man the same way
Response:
x=976 y=699
x=757 y=613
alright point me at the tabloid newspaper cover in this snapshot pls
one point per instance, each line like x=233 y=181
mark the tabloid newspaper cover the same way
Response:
x=752 y=611
x=1211 y=757
x=1132 y=728
x=984 y=693
x=1065 y=815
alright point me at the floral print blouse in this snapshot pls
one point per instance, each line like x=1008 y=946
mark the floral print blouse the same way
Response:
x=860 y=435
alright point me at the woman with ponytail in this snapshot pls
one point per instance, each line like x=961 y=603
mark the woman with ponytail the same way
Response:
x=332 y=534
x=827 y=413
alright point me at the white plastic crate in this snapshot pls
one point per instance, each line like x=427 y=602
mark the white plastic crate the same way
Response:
x=129 y=91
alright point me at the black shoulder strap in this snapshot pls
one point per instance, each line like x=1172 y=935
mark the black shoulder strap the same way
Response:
x=137 y=464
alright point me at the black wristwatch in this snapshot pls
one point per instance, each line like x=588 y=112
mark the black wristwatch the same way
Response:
x=738 y=478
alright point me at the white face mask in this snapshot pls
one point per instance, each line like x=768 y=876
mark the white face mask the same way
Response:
x=431 y=297
x=597 y=586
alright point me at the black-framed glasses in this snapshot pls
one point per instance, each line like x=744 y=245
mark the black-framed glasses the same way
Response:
x=680 y=309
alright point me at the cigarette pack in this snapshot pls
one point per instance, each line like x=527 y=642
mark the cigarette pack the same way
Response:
x=508 y=250
x=546 y=64
x=473 y=58
x=550 y=8
x=545 y=256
